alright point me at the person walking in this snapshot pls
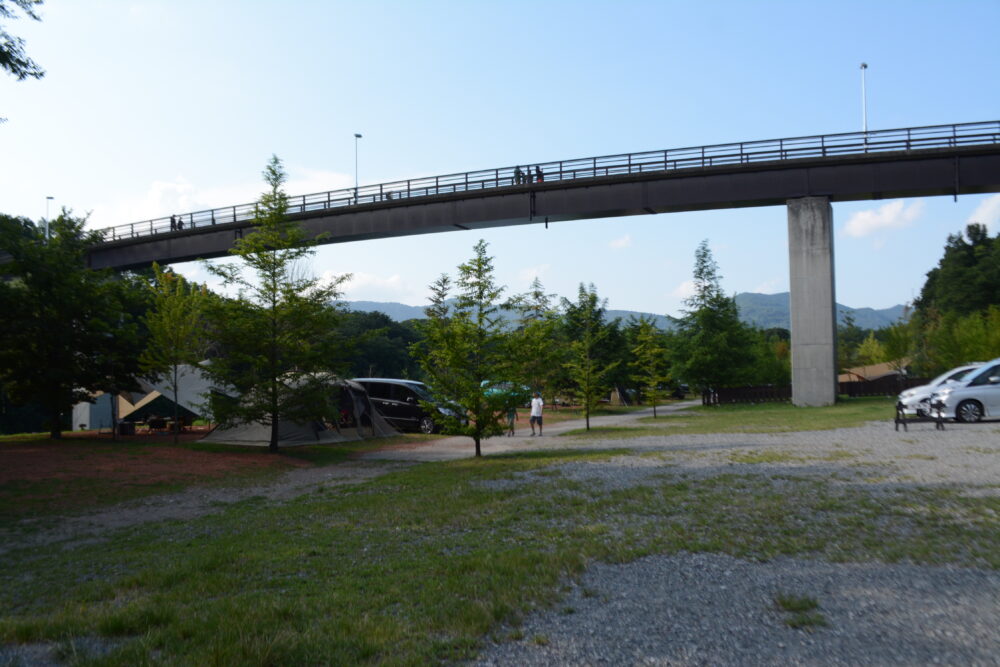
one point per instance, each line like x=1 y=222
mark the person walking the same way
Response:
x=511 y=418
x=539 y=176
x=173 y=223
x=536 y=413
x=518 y=176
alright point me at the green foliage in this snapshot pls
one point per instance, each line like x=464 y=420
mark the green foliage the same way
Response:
x=649 y=361
x=772 y=356
x=381 y=345
x=951 y=340
x=587 y=366
x=898 y=345
x=67 y=331
x=870 y=351
x=967 y=278
x=277 y=342
x=711 y=347
x=12 y=55
x=176 y=326
x=465 y=349
x=849 y=338
x=537 y=350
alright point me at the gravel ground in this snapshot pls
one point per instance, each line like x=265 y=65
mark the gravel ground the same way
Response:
x=706 y=609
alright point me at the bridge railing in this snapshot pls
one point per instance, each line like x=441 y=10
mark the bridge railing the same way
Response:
x=674 y=159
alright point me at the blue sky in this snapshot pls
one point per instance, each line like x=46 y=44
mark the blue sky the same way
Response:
x=151 y=108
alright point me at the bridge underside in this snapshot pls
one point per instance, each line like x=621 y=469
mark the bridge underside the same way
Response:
x=950 y=172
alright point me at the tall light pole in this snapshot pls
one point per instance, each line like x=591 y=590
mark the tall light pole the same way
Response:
x=48 y=198
x=356 y=137
x=864 y=100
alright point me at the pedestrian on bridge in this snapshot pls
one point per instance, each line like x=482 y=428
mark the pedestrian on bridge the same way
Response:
x=518 y=176
x=539 y=176
x=173 y=223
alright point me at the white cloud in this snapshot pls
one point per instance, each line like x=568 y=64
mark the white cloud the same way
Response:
x=180 y=195
x=894 y=215
x=987 y=213
x=371 y=287
x=684 y=290
x=622 y=242
x=527 y=275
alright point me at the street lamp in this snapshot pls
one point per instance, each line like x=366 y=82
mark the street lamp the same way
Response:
x=356 y=137
x=864 y=100
x=48 y=198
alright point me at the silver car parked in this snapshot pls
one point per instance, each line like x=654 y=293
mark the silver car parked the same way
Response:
x=916 y=400
x=977 y=398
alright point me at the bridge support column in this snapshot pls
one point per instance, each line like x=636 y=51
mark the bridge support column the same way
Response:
x=813 y=302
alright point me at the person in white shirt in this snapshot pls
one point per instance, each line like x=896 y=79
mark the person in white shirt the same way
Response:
x=536 y=413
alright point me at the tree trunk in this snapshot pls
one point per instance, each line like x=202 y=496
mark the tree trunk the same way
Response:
x=55 y=430
x=177 y=425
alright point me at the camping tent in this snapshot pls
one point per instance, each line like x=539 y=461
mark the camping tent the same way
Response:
x=357 y=420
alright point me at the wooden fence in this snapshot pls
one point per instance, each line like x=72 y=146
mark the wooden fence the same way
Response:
x=889 y=385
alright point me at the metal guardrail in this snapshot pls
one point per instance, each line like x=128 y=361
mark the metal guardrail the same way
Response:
x=672 y=160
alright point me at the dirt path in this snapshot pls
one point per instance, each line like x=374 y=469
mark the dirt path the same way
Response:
x=460 y=447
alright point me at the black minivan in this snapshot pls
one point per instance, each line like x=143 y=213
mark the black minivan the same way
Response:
x=399 y=402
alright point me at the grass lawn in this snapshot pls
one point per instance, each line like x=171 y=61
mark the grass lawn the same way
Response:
x=760 y=418
x=419 y=565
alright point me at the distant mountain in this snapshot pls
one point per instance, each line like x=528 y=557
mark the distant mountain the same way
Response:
x=765 y=311
x=768 y=311
x=401 y=312
x=398 y=312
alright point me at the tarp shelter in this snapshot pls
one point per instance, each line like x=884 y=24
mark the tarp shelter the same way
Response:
x=193 y=388
x=155 y=404
x=98 y=414
x=358 y=420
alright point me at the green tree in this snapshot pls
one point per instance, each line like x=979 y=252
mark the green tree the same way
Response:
x=967 y=278
x=176 y=326
x=898 y=344
x=381 y=345
x=66 y=331
x=12 y=55
x=772 y=358
x=587 y=370
x=465 y=348
x=649 y=361
x=277 y=342
x=870 y=351
x=711 y=347
x=849 y=338
x=537 y=352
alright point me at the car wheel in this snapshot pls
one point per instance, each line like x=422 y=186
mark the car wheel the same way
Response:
x=427 y=425
x=969 y=411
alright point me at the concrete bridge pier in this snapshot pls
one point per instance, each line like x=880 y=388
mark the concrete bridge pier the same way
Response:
x=813 y=301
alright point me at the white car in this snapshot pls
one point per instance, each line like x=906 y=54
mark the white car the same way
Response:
x=979 y=397
x=916 y=400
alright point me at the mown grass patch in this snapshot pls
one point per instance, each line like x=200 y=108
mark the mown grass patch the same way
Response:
x=419 y=565
x=760 y=418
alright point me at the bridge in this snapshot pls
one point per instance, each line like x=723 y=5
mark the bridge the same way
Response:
x=804 y=173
